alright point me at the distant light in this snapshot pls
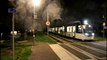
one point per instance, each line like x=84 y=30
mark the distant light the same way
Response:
x=1 y=34
x=89 y=25
x=104 y=23
x=93 y=34
x=15 y=32
x=85 y=22
x=103 y=16
x=30 y=30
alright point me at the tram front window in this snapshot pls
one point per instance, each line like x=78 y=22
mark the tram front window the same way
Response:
x=88 y=31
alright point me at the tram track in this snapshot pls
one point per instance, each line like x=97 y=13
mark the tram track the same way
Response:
x=87 y=48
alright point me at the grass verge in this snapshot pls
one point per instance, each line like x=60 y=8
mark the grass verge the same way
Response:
x=42 y=38
x=45 y=38
x=22 y=51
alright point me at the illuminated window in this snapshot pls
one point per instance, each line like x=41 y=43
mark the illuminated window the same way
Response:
x=79 y=29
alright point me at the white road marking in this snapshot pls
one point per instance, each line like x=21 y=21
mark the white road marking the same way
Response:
x=62 y=53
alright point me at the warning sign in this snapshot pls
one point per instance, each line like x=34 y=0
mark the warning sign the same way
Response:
x=48 y=23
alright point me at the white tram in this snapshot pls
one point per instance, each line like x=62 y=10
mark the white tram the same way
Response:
x=76 y=30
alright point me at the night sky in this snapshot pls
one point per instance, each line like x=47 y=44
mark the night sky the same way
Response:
x=71 y=10
x=3 y=15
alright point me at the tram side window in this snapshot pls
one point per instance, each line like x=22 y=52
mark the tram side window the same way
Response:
x=79 y=29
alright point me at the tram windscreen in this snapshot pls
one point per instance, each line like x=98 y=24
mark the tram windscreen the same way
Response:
x=88 y=30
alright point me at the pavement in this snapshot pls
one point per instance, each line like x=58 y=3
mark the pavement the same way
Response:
x=42 y=51
x=45 y=51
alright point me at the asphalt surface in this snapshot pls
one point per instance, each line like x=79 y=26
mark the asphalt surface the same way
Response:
x=84 y=53
x=95 y=46
x=90 y=50
x=78 y=54
x=42 y=51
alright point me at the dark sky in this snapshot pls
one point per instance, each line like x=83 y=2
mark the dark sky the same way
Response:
x=3 y=14
x=92 y=10
x=72 y=9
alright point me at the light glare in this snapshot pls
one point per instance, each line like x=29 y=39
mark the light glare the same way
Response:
x=89 y=25
x=93 y=34
x=85 y=22
x=36 y=2
x=86 y=34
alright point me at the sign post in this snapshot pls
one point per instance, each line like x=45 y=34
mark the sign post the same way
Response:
x=12 y=10
x=47 y=23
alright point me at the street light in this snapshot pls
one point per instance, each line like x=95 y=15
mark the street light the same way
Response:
x=36 y=4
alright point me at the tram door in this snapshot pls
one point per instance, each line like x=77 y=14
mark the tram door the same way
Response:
x=73 y=31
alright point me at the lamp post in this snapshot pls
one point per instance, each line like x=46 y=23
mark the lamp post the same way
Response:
x=36 y=4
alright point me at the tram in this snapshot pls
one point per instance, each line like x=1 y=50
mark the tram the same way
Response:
x=77 y=29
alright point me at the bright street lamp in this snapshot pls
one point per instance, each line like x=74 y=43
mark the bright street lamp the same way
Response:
x=36 y=2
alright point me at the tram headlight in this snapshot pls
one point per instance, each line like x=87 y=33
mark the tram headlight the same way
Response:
x=85 y=22
x=93 y=34
x=86 y=34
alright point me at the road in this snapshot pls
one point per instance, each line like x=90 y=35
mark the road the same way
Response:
x=83 y=50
